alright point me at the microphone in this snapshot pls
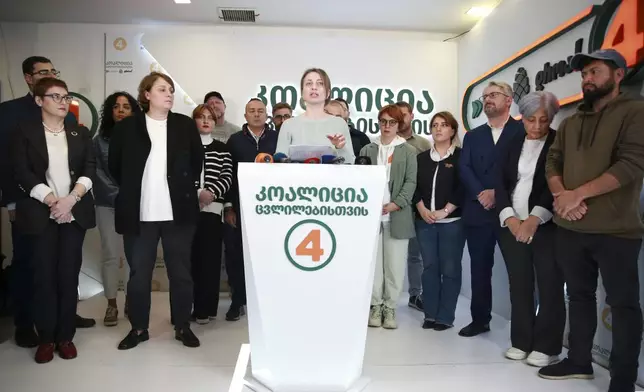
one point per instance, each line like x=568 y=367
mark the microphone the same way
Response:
x=263 y=157
x=327 y=158
x=280 y=157
x=332 y=159
x=363 y=160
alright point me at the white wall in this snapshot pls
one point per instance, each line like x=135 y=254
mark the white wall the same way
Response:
x=235 y=61
x=513 y=25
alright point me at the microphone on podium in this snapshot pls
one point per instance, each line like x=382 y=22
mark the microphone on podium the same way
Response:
x=280 y=157
x=363 y=160
x=262 y=157
x=332 y=159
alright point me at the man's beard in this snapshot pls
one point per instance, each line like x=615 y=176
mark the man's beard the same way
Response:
x=599 y=92
x=492 y=110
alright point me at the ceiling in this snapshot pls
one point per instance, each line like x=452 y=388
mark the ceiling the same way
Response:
x=446 y=16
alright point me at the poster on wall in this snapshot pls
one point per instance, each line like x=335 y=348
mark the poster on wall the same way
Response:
x=127 y=61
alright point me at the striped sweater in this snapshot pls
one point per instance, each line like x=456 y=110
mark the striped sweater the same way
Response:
x=217 y=173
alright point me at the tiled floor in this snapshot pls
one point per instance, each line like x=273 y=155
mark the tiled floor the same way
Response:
x=405 y=360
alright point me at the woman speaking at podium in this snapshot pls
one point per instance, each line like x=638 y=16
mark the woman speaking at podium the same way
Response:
x=315 y=127
x=397 y=223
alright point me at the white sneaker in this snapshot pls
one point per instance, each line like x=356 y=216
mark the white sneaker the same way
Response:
x=375 y=316
x=515 y=354
x=202 y=321
x=389 y=318
x=538 y=359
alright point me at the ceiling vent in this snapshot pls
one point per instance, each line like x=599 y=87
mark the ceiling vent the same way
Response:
x=237 y=15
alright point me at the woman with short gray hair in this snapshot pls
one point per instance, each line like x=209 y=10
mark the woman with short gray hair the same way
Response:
x=524 y=204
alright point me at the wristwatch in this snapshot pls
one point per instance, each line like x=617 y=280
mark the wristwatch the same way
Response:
x=75 y=194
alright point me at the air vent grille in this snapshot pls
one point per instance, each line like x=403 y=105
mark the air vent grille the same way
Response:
x=237 y=15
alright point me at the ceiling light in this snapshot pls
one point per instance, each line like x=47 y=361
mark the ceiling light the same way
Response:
x=478 y=12
x=182 y=1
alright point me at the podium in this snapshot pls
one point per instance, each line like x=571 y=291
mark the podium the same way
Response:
x=309 y=236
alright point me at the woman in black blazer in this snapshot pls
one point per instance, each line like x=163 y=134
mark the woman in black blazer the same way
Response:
x=54 y=165
x=439 y=229
x=524 y=204
x=156 y=158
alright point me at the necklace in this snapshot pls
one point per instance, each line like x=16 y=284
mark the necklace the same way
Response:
x=55 y=132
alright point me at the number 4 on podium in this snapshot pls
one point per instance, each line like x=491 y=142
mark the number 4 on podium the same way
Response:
x=310 y=246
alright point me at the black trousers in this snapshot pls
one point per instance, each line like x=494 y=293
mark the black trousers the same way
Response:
x=481 y=241
x=22 y=278
x=206 y=264
x=581 y=257
x=176 y=242
x=234 y=253
x=56 y=263
x=532 y=331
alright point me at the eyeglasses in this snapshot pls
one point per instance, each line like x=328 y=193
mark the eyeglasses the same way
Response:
x=59 y=98
x=45 y=72
x=384 y=122
x=282 y=117
x=492 y=95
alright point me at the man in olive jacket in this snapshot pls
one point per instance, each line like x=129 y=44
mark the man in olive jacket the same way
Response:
x=595 y=169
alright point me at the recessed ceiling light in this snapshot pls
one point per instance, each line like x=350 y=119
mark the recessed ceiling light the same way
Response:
x=478 y=12
x=182 y=1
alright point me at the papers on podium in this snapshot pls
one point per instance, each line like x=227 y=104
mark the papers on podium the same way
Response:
x=309 y=238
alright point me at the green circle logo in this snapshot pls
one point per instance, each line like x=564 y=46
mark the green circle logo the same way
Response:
x=310 y=245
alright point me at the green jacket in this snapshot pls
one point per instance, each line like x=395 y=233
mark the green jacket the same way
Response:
x=402 y=185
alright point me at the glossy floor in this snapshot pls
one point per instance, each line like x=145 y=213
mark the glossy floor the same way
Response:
x=408 y=359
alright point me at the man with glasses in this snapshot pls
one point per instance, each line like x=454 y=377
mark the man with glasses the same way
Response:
x=281 y=112
x=11 y=113
x=477 y=166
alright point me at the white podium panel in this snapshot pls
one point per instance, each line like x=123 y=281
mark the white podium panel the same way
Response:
x=310 y=234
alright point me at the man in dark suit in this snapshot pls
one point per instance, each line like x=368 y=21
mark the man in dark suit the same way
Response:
x=11 y=113
x=254 y=138
x=482 y=147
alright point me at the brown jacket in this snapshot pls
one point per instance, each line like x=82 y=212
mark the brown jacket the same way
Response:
x=589 y=144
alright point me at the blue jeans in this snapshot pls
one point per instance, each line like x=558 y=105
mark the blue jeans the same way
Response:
x=441 y=246
x=414 y=268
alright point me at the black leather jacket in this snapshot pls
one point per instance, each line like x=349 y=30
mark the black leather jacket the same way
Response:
x=104 y=187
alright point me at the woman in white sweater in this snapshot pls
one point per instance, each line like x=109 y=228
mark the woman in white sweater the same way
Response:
x=315 y=127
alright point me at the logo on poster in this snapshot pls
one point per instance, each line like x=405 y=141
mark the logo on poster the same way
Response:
x=120 y=43
x=310 y=245
x=607 y=318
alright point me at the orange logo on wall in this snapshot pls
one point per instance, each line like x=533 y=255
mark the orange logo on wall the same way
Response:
x=120 y=43
x=617 y=24
x=626 y=33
